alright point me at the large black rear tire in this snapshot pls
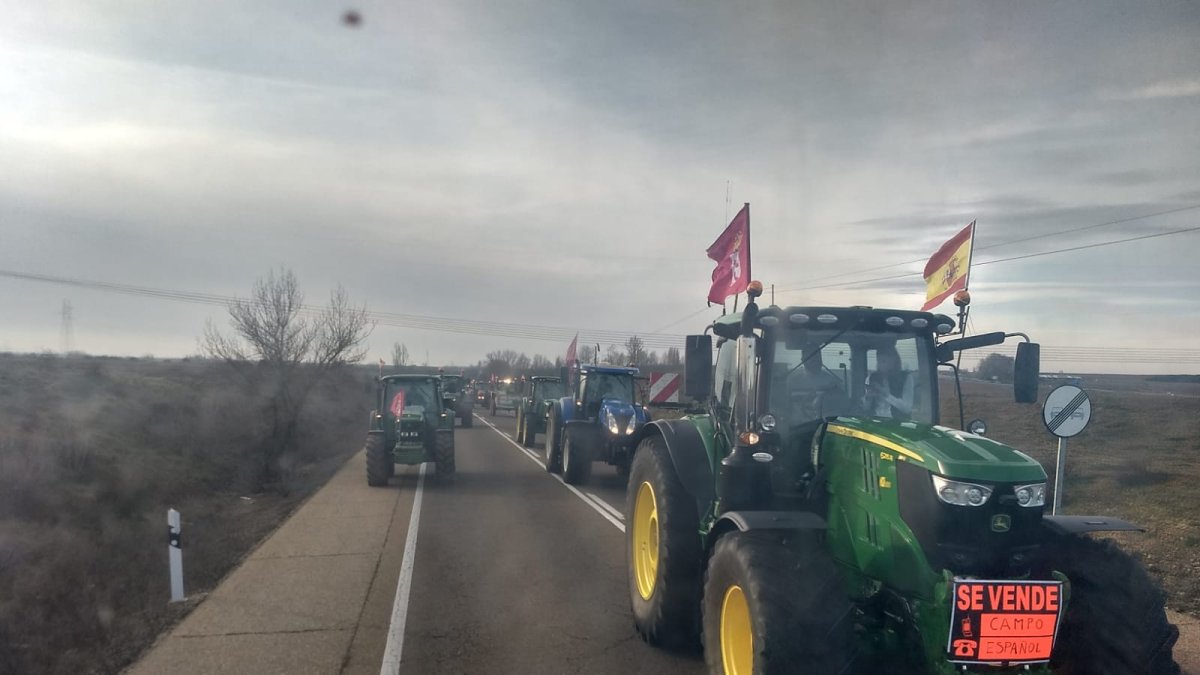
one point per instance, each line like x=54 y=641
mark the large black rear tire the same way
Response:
x=577 y=457
x=444 y=455
x=771 y=605
x=520 y=427
x=1115 y=621
x=468 y=420
x=663 y=550
x=379 y=465
x=553 y=446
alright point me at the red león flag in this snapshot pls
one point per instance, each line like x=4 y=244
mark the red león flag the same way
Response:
x=731 y=250
x=397 y=407
x=571 y=351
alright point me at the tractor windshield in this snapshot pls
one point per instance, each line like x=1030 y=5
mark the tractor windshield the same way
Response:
x=816 y=374
x=451 y=384
x=411 y=396
x=550 y=390
x=600 y=386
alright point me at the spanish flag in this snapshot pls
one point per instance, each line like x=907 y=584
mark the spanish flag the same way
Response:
x=948 y=270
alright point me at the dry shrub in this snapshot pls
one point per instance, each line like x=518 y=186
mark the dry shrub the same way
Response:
x=92 y=453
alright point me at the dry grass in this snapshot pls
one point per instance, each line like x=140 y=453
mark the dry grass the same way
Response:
x=1139 y=459
x=92 y=453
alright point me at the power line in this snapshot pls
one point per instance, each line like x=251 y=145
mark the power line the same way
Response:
x=1145 y=355
x=1006 y=243
x=1000 y=260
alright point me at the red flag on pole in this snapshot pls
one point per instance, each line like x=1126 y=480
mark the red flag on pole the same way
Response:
x=570 y=360
x=731 y=250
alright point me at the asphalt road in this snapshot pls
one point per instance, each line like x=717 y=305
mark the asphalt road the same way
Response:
x=506 y=570
x=517 y=573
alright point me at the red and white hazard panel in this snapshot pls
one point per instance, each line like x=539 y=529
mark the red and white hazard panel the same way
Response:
x=664 y=387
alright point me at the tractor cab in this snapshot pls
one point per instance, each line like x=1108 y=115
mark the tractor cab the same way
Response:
x=604 y=387
x=783 y=373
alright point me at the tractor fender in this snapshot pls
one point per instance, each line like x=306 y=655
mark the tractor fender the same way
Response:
x=688 y=454
x=565 y=407
x=745 y=521
x=587 y=431
x=1068 y=525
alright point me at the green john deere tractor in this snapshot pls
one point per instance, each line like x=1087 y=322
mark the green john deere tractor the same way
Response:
x=410 y=425
x=539 y=393
x=457 y=399
x=817 y=518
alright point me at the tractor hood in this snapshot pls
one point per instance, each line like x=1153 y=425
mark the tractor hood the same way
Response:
x=627 y=415
x=948 y=452
x=621 y=409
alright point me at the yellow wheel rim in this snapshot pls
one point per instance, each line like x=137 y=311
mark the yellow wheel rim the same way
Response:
x=645 y=541
x=737 y=638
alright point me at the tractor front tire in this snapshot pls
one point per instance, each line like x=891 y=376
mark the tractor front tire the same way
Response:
x=663 y=550
x=553 y=445
x=1115 y=620
x=379 y=464
x=444 y=456
x=530 y=434
x=770 y=604
x=577 y=458
x=467 y=420
x=492 y=410
x=520 y=435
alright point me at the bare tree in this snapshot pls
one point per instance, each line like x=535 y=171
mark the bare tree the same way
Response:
x=540 y=365
x=399 y=354
x=614 y=356
x=672 y=357
x=288 y=347
x=635 y=349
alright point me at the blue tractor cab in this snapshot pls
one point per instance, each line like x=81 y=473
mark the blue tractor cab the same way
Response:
x=600 y=420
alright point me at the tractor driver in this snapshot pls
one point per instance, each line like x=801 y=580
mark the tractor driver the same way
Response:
x=889 y=388
x=812 y=388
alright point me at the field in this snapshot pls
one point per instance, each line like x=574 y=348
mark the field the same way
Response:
x=92 y=453
x=1139 y=459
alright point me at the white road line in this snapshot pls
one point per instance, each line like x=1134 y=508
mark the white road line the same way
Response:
x=395 y=639
x=598 y=505
x=607 y=507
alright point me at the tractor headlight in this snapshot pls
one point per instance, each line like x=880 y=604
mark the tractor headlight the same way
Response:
x=961 y=494
x=611 y=421
x=1031 y=495
x=767 y=422
x=632 y=426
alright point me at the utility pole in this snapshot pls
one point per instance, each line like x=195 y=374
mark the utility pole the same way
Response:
x=67 y=331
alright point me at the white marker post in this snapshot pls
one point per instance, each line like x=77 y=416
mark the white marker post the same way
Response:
x=175 y=555
x=1066 y=413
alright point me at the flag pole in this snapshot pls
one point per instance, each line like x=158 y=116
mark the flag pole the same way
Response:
x=964 y=311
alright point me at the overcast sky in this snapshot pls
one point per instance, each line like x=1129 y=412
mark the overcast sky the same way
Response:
x=566 y=163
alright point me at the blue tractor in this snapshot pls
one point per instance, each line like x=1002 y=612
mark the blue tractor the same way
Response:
x=598 y=421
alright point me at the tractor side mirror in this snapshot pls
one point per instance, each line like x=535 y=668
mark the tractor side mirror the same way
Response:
x=1027 y=370
x=698 y=367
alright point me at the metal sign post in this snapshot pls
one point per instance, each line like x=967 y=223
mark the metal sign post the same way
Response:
x=1066 y=413
x=175 y=555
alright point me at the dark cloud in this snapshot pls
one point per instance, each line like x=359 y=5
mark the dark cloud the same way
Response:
x=567 y=163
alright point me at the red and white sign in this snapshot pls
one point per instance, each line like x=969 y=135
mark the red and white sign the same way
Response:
x=664 y=387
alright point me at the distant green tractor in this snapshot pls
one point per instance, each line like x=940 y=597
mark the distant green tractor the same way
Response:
x=505 y=395
x=457 y=399
x=540 y=392
x=817 y=519
x=410 y=425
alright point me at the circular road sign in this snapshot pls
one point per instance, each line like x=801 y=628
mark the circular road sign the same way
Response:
x=1067 y=411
